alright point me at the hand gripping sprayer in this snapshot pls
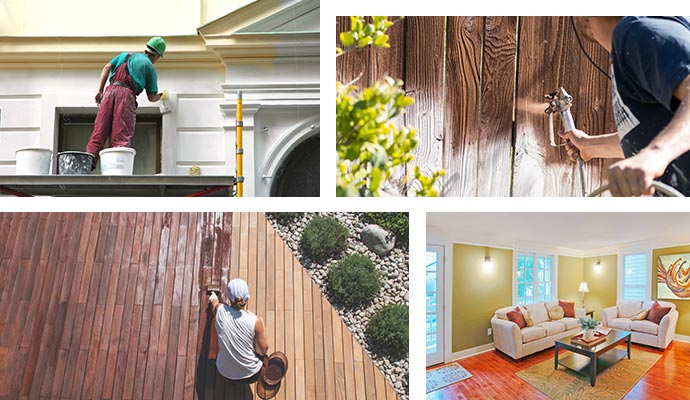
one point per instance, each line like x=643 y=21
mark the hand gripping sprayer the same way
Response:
x=560 y=102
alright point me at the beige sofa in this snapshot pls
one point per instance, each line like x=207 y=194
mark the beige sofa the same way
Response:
x=643 y=332
x=517 y=343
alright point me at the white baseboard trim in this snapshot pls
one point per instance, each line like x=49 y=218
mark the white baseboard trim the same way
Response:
x=682 y=338
x=459 y=355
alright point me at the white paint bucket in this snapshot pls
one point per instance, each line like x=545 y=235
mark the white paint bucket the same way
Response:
x=33 y=160
x=117 y=161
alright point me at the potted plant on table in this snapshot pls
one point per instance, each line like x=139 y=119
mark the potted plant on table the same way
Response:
x=589 y=325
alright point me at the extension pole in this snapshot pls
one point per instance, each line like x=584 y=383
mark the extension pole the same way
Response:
x=239 y=151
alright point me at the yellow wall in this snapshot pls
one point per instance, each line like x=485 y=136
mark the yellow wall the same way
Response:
x=100 y=18
x=603 y=285
x=683 y=306
x=211 y=10
x=94 y=17
x=477 y=293
x=569 y=278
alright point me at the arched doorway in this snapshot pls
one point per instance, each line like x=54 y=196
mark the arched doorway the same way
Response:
x=298 y=175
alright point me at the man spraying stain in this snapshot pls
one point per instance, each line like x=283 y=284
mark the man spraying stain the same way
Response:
x=129 y=74
x=650 y=79
x=242 y=344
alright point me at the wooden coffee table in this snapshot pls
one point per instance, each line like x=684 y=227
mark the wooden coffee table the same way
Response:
x=592 y=360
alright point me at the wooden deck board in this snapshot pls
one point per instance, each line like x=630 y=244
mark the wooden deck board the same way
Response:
x=125 y=302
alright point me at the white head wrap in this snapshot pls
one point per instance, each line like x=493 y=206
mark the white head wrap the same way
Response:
x=237 y=288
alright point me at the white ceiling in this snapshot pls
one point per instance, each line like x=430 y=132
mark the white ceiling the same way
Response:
x=586 y=233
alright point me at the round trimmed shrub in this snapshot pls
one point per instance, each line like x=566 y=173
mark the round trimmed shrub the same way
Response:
x=322 y=237
x=354 y=280
x=396 y=222
x=389 y=330
x=284 y=217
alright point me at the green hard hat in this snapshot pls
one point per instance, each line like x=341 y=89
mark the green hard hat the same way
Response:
x=157 y=44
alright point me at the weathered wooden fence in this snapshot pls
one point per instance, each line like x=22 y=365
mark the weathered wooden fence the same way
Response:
x=478 y=85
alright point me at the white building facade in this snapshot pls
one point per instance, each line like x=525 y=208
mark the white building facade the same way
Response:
x=267 y=49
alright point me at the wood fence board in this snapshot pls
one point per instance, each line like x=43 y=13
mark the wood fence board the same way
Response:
x=495 y=141
x=483 y=122
x=463 y=85
x=424 y=52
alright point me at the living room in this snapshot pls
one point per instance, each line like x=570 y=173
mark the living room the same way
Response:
x=511 y=298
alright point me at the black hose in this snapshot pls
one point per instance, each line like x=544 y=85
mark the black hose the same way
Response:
x=577 y=36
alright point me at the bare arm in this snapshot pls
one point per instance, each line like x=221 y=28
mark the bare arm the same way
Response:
x=153 y=97
x=213 y=300
x=600 y=146
x=634 y=176
x=101 y=83
x=260 y=341
x=674 y=140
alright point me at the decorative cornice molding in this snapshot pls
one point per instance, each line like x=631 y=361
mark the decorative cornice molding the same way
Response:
x=246 y=16
x=269 y=46
x=184 y=52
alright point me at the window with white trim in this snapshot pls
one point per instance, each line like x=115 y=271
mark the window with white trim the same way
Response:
x=534 y=278
x=635 y=276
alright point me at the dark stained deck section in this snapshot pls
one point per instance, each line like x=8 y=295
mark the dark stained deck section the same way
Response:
x=113 y=305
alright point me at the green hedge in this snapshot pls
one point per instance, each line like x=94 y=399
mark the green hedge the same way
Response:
x=323 y=237
x=354 y=281
x=388 y=330
x=396 y=222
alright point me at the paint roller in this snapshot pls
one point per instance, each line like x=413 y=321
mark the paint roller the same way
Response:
x=559 y=103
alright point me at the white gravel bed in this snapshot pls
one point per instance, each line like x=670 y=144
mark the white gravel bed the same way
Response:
x=394 y=269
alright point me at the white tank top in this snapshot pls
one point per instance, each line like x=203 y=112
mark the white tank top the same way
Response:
x=236 y=357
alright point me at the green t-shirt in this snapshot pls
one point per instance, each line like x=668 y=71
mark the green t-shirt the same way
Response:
x=140 y=69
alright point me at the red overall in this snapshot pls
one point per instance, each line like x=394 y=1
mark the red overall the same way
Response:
x=116 y=114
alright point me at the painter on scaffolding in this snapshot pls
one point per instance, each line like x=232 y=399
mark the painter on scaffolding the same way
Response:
x=650 y=68
x=129 y=74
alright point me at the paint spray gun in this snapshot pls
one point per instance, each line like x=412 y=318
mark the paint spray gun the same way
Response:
x=560 y=103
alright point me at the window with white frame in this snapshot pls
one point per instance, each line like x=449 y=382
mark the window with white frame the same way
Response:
x=635 y=276
x=534 y=278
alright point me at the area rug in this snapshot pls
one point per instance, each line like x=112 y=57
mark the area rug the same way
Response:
x=447 y=375
x=613 y=383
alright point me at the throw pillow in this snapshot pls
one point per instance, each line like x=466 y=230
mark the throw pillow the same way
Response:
x=657 y=312
x=517 y=317
x=556 y=313
x=528 y=318
x=537 y=312
x=568 y=308
x=640 y=315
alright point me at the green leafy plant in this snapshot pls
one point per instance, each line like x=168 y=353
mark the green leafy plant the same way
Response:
x=323 y=236
x=388 y=330
x=588 y=323
x=364 y=34
x=283 y=217
x=354 y=280
x=396 y=222
x=369 y=146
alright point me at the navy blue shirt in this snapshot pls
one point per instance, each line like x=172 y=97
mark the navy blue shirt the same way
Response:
x=650 y=57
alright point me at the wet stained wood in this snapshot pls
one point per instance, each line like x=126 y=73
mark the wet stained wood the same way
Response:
x=479 y=83
x=126 y=309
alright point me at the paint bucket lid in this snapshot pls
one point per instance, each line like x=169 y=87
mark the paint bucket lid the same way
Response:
x=119 y=150
x=33 y=148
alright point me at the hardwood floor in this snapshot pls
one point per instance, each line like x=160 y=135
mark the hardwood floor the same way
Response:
x=114 y=306
x=493 y=376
